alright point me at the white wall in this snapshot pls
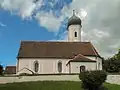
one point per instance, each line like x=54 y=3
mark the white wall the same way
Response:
x=75 y=66
x=113 y=79
x=99 y=61
x=46 y=66
x=71 y=33
x=49 y=66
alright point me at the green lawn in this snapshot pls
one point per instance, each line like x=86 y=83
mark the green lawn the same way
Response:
x=50 y=85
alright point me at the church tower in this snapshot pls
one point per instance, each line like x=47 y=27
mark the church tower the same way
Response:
x=74 y=28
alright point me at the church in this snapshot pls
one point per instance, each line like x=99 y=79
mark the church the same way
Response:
x=49 y=57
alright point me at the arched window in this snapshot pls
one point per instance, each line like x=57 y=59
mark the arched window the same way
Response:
x=59 y=67
x=36 y=66
x=82 y=68
x=75 y=34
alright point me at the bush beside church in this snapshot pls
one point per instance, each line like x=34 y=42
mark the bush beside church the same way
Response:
x=92 y=80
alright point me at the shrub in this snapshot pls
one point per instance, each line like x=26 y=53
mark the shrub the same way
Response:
x=113 y=68
x=92 y=80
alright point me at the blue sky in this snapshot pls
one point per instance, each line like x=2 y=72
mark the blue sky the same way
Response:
x=46 y=20
x=15 y=29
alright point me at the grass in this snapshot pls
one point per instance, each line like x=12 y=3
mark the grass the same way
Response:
x=50 y=85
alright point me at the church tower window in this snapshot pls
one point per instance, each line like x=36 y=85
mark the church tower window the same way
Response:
x=59 y=67
x=36 y=66
x=75 y=34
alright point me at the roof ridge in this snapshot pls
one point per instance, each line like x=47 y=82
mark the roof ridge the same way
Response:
x=96 y=53
x=51 y=41
x=75 y=59
x=10 y=66
x=82 y=56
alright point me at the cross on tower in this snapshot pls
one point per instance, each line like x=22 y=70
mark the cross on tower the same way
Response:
x=73 y=12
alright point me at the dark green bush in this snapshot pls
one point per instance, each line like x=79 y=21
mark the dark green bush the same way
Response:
x=92 y=80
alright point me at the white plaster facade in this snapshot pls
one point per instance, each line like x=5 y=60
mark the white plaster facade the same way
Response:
x=46 y=66
x=75 y=66
x=99 y=63
x=50 y=66
x=71 y=33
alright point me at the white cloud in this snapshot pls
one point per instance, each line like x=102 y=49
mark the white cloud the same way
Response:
x=2 y=25
x=101 y=25
x=49 y=21
x=24 y=8
x=62 y=37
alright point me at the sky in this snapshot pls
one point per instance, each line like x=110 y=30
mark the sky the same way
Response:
x=46 y=20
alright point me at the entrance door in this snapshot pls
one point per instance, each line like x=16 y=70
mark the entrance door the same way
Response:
x=82 y=68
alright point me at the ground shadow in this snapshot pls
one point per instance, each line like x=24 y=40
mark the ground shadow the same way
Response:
x=101 y=88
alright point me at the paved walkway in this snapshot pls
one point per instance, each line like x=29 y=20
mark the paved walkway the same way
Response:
x=113 y=79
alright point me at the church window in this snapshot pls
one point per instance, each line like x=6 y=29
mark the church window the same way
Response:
x=36 y=66
x=75 y=34
x=59 y=67
x=82 y=68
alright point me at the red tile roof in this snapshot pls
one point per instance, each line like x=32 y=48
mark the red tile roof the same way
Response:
x=10 y=70
x=34 y=49
x=80 y=58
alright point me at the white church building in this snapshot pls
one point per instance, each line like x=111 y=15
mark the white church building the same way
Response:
x=72 y=56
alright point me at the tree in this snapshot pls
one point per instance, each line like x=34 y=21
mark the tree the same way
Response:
x=112 y=64
x=1 y=69
x=117 y=56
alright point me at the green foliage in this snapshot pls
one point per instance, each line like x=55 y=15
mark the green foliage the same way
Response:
x=117 y=56
x=92 y=80
x=1 y=70
x=112 y=65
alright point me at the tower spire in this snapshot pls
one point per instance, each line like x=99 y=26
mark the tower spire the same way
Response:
x=74 y=28
x=73 y=12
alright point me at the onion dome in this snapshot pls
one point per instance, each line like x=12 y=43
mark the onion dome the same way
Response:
x=74 y=20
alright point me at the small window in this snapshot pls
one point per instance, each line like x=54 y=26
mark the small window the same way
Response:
x=82 y=68
x=36 y=66
x=75 y=34
x=59 y=67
